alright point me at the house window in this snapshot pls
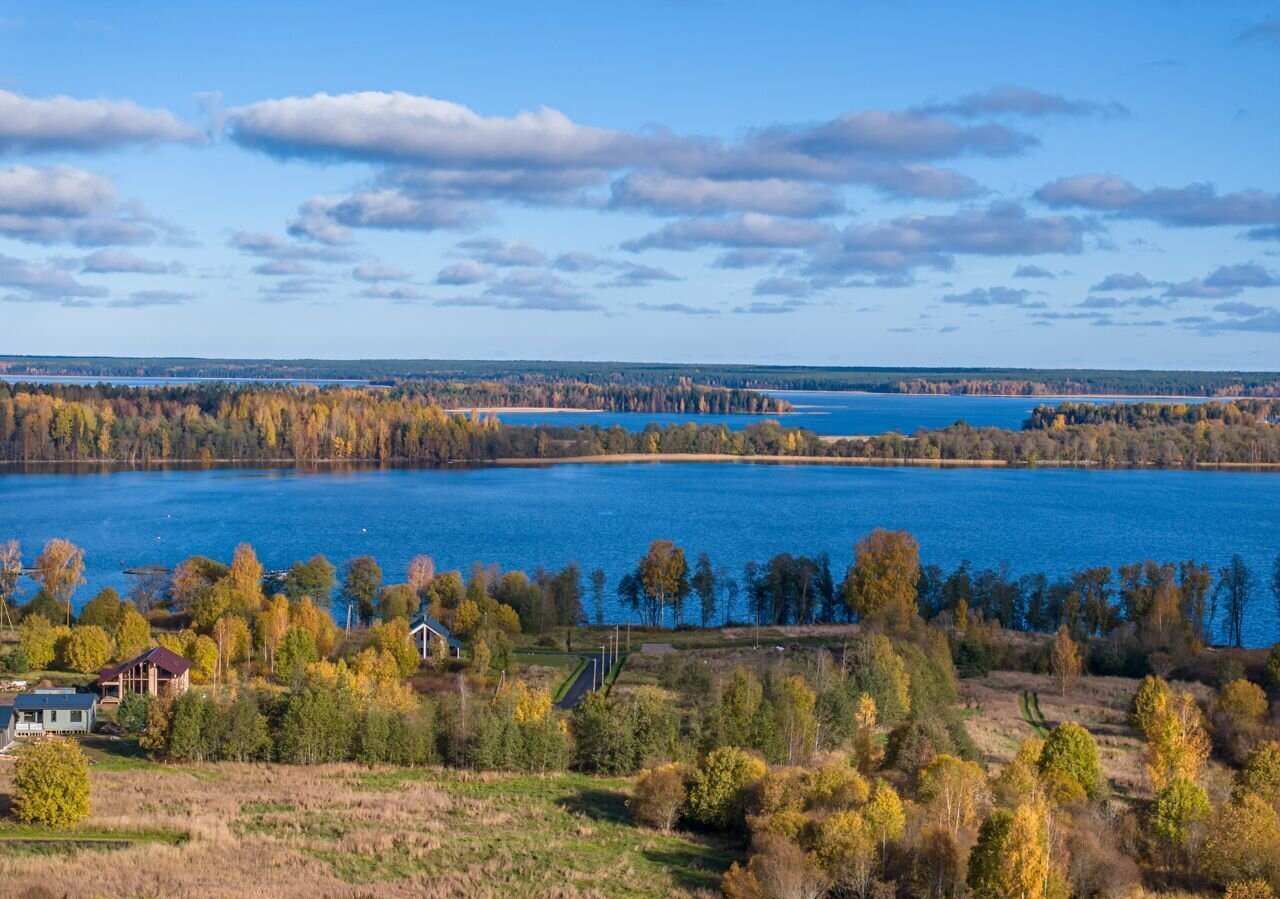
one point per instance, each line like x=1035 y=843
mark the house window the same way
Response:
x=53 y=716
x=77 y=716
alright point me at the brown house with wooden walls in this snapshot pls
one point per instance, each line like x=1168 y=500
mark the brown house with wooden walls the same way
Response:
x=156 y=672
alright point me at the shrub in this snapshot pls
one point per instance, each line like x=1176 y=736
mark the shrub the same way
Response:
x=658 y=796
x=1260 y=773
x=51 y=783
x=1243 y=702
x=1179 y=807
x=1071 y=752
x=719 y=785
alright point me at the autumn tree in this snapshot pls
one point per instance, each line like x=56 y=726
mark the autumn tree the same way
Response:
x=1243 y=844
x=881 y=584
x=1011 y=857
x=439 y=650
x=422 y=571
x=133 y=636
x=1241 y=701
x=38 y=641
x=1064 y=660
x=664 y=578
x=845 y=848
x=245 y=578
x=1149 y=703
x=658 y=796
x=88 y=649
x=955 y=792
x=1177 y=744
x=794 y=704
x=59 y=570
x=51 y=783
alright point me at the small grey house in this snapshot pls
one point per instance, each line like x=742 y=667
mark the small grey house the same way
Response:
x=55 y=711
x=8 y=726
x=423 y=628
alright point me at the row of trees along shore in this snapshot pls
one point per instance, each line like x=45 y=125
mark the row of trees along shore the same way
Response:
x=844 y=770
x=249 y=424
x=1145 y=617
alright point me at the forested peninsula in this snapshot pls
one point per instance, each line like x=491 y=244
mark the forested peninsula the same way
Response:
x=256 y=423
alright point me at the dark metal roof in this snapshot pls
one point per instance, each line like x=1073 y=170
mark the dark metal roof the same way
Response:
x=6 y=715
x=30 y=702
x=159 y=656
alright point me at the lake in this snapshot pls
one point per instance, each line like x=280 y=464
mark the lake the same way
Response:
x=836 y=414
x=829 y=413
x=605 y=515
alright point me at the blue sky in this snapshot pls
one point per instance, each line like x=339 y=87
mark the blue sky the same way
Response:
x=833 y=183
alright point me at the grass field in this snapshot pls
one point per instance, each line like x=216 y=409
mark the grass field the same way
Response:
x=251 y=831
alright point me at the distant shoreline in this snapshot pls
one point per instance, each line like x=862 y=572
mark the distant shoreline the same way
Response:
x=498 y=410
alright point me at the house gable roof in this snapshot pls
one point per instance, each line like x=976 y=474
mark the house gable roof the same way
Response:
x=165 y=659
x=421 y=621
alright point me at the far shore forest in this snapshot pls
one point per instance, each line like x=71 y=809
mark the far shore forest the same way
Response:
x=257 y=423
x=896 y=741
x=1002 y=381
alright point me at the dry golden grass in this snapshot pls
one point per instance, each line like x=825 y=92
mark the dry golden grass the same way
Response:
x=349 y=831
x=1101 y=704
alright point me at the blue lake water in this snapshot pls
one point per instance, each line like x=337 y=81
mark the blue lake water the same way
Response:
x=605 y=515
x=844 y=414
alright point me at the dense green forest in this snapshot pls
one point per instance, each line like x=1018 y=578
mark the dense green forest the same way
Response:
x=957 y=380
x=261 y=423
x=677 y=398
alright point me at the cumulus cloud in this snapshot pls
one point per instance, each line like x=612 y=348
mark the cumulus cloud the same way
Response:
x=399 y=127
x=989 y=296
x=914 y=241
x=1032 y=271
x=1195 y=205
x=65 y=123
x=1021 y=101
x=466 y=272
x=503 y=253
x=283 y=267
x=439 y=163
x=107 y=261
x=371 y=272
x=630 y=274
x=1224 y=281
x=749 y=229
x=61 y=204
x=330 y=220
x=578 y=261
x=40 y=283
x=747 y=257
x=530 y=289
x=270 y=246
x=1121 y=281
x=674 y=195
